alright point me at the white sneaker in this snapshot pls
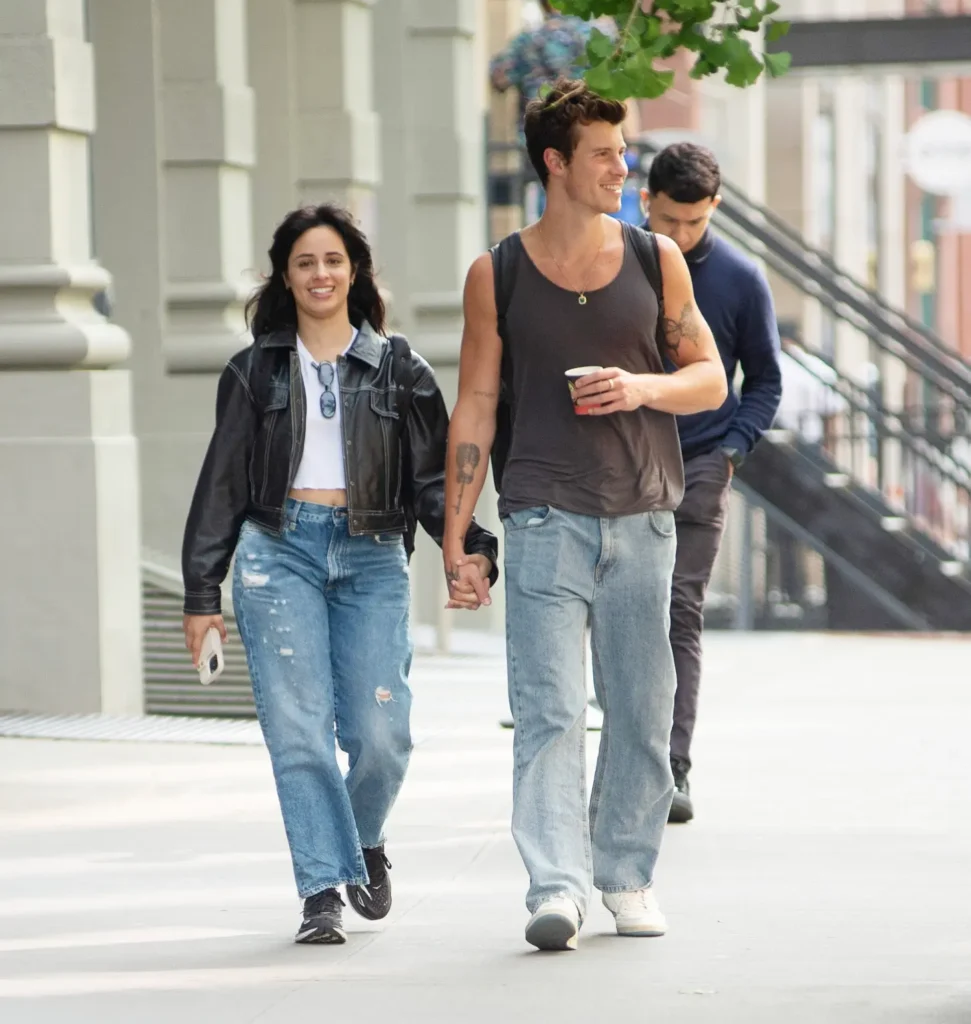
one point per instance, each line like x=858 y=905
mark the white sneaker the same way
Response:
x=555 y=925
x=636 y=913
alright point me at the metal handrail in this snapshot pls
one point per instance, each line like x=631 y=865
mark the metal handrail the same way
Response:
x=794 y=272
x=813 y=272
x=889 y=426
x=888 y=422
x=739 y=201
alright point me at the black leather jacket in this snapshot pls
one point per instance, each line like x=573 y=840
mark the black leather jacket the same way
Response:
x=393 y=478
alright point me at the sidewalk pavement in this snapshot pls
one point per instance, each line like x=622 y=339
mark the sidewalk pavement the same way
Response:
x=826 y=878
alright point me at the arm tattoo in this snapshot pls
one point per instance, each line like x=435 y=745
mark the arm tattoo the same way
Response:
x=685 y=327
x=486 y=394
x=467 y=460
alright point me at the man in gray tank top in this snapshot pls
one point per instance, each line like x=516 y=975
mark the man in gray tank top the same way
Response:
x=587 y=495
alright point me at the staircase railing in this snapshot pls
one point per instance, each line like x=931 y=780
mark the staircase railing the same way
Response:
x=849 y=426
x=908 y=456
x=817 y=275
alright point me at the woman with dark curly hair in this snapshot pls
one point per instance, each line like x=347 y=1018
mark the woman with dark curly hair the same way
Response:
x=329 y=445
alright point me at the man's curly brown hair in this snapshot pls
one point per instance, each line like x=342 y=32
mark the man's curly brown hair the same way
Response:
x=551 y=121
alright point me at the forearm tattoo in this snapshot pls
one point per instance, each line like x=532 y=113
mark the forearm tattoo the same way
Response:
x=466 y=461
x=685 y=327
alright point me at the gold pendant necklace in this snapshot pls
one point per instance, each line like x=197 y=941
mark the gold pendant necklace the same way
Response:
x=582 y=292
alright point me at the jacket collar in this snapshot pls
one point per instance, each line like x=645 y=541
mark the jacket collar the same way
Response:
x=701 y=251
x=368 y=345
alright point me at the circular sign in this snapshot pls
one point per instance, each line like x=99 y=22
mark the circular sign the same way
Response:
x=937 y=152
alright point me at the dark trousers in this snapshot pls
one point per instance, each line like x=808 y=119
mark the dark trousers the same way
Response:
x=700 y=523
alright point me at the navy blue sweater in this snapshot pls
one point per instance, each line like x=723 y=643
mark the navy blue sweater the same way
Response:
x=734 y=298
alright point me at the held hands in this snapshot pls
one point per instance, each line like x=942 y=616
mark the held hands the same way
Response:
x=195 y=628
x=468 y=581
x=611 y=390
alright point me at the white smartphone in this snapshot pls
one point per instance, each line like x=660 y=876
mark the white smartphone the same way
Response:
x=211 y=662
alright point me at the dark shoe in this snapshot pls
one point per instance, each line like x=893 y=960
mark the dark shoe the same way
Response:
x=322 y=919
x=681 y=809
x=373 y=900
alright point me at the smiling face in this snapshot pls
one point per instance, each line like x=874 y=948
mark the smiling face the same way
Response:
x=683 y=223
x=596 y=172
x=319 y=273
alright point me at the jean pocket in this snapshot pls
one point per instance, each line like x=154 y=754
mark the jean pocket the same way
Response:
x=388 y=538
x=251 y=529
x=662 y=522
x=527 y=518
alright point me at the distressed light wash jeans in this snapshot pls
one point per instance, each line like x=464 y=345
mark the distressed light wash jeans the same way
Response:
x=324 y=620
x=562 y=571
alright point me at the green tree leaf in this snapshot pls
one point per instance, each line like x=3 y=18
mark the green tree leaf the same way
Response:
x=599 y=47
x=777 y=63
x=776 y=30
x=654 y=85
x=646 y=28
x=714 y=29
x=599 y=79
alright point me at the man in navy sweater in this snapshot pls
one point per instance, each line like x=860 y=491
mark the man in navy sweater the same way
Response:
x=735 y=300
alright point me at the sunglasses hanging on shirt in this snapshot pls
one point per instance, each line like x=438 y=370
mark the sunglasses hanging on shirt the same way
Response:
x=328 y=400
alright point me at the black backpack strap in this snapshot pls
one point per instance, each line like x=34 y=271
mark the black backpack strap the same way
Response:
x=505 y=266
x=505 y=263
x=645 y=245
x=403 y=373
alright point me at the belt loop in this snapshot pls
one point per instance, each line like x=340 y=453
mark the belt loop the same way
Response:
x=293 y=512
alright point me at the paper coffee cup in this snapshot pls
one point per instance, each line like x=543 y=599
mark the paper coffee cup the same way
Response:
x=573 y=375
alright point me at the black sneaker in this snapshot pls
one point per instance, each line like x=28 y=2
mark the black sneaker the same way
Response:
x=681 y=809
x=322 y=919
x=373 y=900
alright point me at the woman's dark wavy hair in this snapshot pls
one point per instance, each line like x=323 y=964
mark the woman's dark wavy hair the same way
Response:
x=271 y=307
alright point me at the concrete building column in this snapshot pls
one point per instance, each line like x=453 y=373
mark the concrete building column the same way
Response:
x=208 y=151
x=70 y=620
x=172 y=414
x=444 y=72
x=271 y=26
x=430 y=86
x=336 y=127
x=428 y=80
x=503 y=21
x=317 y=136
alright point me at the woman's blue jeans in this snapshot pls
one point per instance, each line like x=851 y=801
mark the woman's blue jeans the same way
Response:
x=324 y=620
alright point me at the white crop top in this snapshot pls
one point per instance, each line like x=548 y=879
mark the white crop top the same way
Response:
x=322 y=464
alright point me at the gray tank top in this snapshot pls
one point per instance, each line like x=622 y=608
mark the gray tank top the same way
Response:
x=616 y=465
